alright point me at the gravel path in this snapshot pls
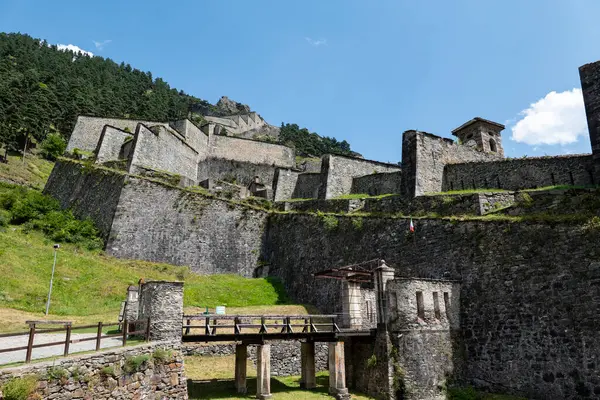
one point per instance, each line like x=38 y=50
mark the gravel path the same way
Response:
x=50 y=351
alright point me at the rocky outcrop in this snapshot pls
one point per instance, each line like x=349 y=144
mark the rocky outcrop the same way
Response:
x=232 y=107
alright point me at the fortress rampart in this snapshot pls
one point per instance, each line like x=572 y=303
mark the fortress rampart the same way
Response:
x=520 y=173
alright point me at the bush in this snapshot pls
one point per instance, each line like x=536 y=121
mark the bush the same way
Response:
x=19 y=388
x=53 y=146
x=40 y=212
x=5 y=217
x=33 y=205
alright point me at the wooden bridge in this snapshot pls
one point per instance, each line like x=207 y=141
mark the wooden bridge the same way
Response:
x=260 y=329
x=256 y=329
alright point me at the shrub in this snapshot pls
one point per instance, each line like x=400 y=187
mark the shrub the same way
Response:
x=53 y=146
x=133 y=364
x=162 y=355
x=57 y=373
x=19 y=388
x=329 y=221
x=31 y=206
x=357 y=223
x=108 y=371
x=372 y=361
x=467 y=393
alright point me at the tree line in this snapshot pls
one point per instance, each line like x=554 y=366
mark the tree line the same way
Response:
x=43 y=90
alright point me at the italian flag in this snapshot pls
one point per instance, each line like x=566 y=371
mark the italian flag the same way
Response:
x=412 y=226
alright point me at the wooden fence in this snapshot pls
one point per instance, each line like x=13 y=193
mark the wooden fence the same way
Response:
x=124 y=328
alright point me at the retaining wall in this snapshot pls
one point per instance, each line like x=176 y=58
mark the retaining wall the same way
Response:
x=89 y=192
x=103 y=375
x=156 y=222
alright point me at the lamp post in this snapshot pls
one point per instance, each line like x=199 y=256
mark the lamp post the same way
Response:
x=56 y=247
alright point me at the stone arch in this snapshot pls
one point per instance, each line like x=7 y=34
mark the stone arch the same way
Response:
x=493 y=146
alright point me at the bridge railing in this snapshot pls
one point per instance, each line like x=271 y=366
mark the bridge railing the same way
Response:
x=212 y=324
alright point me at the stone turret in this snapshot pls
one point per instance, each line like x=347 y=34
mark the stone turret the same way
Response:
x=482 y=134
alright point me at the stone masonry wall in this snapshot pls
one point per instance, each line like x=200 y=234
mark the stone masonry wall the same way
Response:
x=87 y=131
x=307 y=186
x=103 y=376
x=241 y=172
x=284 y=183
x=163 y=150
x=156 y=222
x=285 y=355
x=231 y=148
x=92 y=193
x=197 y=139
x=338 y=172
x=424 y=157
x=376 y=184
x=521 y=173
x=110 y=144
x=529 y=291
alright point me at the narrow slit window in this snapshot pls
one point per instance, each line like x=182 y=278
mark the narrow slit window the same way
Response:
x=436 y=306
x=420 y=306
x=447 y=304
x=571 y=178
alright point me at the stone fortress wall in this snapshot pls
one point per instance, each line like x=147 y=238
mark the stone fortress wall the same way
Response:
x=528 y=291
x=520 y=173
x=179 y=148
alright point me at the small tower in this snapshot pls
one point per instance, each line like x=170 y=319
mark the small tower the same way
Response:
x=481 y=134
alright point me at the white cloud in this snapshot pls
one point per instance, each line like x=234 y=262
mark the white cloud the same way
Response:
x=102 y=44
x=74 y=49
x=316 y=42
x=558 y=118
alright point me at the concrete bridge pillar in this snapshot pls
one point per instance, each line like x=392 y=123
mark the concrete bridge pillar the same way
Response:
x=337 y=371
x=308 y=379
x=263 y=372
x=241 y=361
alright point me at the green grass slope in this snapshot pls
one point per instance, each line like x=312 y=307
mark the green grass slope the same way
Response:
x=89 y=282
x=34 y=172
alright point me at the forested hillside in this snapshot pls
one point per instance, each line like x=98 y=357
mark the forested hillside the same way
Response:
x=43 y=90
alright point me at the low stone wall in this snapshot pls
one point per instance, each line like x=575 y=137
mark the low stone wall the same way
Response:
x=328 y=206
x=446 y=205
x=285 y=355
x=377 y=184
x=108 y=374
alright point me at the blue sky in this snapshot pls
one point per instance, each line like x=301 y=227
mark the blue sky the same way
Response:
x=364 y=71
